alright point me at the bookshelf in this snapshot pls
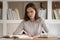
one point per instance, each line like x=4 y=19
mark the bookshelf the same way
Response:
x=20 y=6
x=7 y=24
x=1 y=18
x=56 y=11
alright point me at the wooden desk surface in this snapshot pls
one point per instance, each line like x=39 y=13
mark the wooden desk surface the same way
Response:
x=40 y=39
x=46 y=39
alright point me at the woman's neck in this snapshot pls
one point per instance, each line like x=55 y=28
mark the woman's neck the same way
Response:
x=32 y=20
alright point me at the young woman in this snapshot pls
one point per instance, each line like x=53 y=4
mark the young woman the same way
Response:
x=32 y=24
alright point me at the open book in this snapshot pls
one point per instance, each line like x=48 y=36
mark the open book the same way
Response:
x=18 y=36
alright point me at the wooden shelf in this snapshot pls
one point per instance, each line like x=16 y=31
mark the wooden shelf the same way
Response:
x=26 y=0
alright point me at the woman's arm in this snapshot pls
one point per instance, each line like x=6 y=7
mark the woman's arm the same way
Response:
x=36 y=36
x=19 y=29
x=44 y=26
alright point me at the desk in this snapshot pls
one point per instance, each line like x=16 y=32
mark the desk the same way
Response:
x=40 y=39
x=33 y=39
x=46 y=39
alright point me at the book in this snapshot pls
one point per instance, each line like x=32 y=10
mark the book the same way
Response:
x=56 y=14
x=13 y=14
x=17 y=36
x=17 y=13
x=42 y=13
x=9 y=14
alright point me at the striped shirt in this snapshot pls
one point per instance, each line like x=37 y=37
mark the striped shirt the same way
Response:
x=32 y=28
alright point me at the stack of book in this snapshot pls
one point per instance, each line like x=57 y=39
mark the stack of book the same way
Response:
x=56 y=13
x=13 y=14
x=42 y=13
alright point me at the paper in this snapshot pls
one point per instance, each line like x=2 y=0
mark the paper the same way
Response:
x=18 y=36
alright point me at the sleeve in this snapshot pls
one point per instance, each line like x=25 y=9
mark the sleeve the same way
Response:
x=44 y=26
x=19 y=29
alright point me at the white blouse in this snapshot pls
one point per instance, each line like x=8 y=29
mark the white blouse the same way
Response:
x=31 y=27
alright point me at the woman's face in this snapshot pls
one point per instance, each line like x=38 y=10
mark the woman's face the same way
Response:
x=31 y=13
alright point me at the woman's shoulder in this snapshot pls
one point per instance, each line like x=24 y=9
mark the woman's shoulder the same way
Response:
x=23 y=21
x=40 y=19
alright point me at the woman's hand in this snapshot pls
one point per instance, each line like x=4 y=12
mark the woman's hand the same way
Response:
x=36 y=36
x=28 y=34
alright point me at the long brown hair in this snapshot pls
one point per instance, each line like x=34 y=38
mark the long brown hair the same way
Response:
x=26 y=18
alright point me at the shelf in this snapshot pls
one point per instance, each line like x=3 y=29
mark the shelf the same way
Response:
x=26 y=0
x=18 y=21
x=21 y=9
x=56 y=0
x=13 y=21
x=53 y=21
